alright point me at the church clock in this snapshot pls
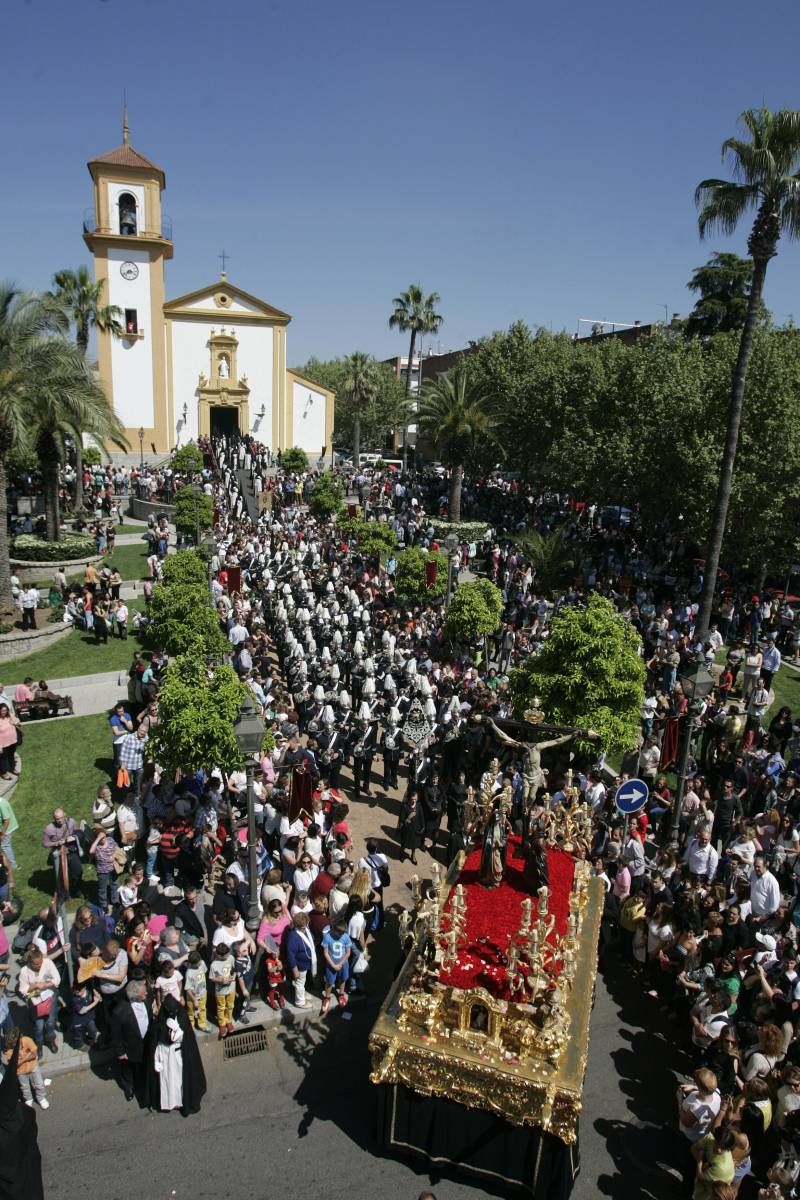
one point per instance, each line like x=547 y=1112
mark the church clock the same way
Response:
x=129 y=270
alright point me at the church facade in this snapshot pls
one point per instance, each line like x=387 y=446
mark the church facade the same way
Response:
x=211 y=361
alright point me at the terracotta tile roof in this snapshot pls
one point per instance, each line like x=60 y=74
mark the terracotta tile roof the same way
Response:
x=125 y=156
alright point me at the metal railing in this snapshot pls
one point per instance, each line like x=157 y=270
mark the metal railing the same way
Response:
x=90 y=225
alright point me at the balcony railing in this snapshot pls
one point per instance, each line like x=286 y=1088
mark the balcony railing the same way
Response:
x=90 y=225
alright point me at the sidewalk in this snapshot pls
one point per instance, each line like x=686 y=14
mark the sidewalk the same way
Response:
x=69 y=1058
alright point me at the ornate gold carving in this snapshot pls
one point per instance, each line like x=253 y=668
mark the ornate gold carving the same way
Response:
x=523 y=1059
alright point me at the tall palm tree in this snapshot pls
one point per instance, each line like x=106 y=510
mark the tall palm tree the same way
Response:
x=766 y=180
x=458 y=415
x=360 y=386
x=29 y=351
x=67 y=402
x=414 y=313
x=80 y=300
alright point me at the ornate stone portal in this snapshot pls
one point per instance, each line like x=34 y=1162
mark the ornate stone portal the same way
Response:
x=222 y=388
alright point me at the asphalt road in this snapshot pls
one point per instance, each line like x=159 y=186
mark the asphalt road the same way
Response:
x=301 y=1117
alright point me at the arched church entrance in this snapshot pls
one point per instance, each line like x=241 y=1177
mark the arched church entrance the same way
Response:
x=224 y=421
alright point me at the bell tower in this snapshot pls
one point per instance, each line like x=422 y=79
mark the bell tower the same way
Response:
x=130 y=239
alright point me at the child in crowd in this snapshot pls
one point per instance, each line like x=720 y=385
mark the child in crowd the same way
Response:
x=169 y=981
x=243 y=965
x=85 y=999
x=153 y=842
x=336 y=947
x=29 y=1075
x=195 y=991
x=222 y=973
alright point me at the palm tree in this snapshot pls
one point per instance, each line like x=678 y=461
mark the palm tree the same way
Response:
x=414 y=312
x=456 y=414
x=80 y=301
x=360 y=386
x=28 y=353
x=552 y=559
x=766 y=180
x=67 y=402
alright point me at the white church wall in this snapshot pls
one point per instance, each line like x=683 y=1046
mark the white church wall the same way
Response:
x=132 y=358
x=308 y=418
x=191 y=355
x=201 y=304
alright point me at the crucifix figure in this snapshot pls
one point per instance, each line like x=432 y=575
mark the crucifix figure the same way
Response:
x=532 y=773
x=224 y=257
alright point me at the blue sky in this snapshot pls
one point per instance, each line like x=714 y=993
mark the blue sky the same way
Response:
x=525 y=160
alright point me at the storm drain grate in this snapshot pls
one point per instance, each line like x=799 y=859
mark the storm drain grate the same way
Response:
x=245 y=1041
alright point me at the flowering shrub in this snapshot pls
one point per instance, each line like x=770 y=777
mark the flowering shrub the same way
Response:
x=28 y=546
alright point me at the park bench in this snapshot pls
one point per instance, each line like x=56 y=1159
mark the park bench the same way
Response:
x=33 y=710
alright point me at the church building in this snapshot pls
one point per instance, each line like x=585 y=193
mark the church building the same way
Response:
x=212 y=361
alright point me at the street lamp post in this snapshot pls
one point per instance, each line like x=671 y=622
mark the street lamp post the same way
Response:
x=696 y=683
x=141 y=447
x=249 y=732
x=208 y=549
x=197 y=492
x=451 y=543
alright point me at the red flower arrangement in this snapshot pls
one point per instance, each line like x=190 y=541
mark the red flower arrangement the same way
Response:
x=494 y=915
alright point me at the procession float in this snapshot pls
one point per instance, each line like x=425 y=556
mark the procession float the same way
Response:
x=479 y=1051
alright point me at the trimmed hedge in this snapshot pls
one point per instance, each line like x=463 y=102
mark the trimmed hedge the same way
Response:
x=28 y=546
x=465 y=531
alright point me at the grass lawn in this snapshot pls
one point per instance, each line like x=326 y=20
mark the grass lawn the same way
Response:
x=73 y=655
x=140 y=529
x=130 y=561
x=76 y=654
x=786 y=686
x=63 y=764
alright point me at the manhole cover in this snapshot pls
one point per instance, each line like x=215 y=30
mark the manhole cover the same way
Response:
x=245 y=1041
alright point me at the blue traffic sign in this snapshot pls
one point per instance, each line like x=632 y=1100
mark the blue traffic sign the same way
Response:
x=631 y=796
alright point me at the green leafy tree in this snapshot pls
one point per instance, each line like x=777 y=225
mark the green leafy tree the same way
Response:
x=328 y=494
x=294 y=460
x=196 y=715
x=474 y=611
x=184 y=568
x=182 y=621
x=194 y=510
x=359 y=388
x=551 y=557
x=414 y=313
x=456 y=413
x=187 y=460
x=409 y=578
x=766 y=169
x=80 y=299
x=92 y=456
x=374 y=539
x=723 y=285
x=588 y=674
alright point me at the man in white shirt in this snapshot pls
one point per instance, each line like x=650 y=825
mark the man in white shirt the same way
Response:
x=700 y=856
x=770 y=663
x=238 y=633
x=765 y=892
x=29 y=599
x=649 y=758
x=122 y=620
x=595 y=793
